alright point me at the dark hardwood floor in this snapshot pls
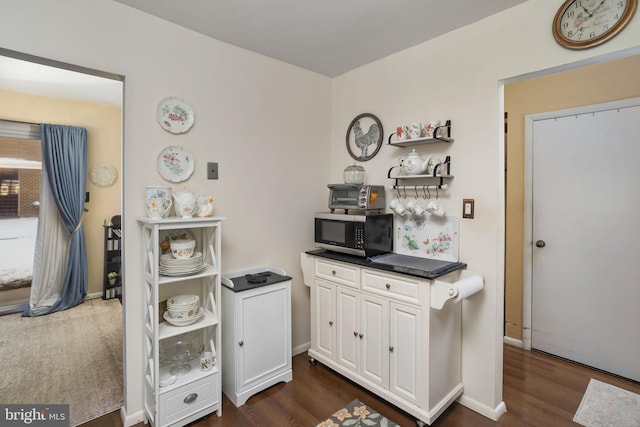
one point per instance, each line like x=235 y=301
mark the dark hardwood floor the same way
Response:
x=539 y=390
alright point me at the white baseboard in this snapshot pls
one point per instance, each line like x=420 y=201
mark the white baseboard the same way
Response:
x=131 y=419
x=487 y=411
x=301 y=348
x=93 y=295
x=514 y=342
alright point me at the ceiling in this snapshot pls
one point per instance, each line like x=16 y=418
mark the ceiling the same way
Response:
x=329 y=37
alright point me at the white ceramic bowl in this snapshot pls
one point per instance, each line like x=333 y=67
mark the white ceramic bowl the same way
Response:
x=182 y=301
x=183 y=248
x=183 y=313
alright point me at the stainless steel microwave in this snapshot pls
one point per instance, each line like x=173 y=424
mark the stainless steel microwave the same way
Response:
x=362 y=235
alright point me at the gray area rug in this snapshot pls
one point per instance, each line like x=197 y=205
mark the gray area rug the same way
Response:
x=605 y=405
x=71 y=357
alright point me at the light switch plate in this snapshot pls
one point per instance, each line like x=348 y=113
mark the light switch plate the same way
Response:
x=212 y=170
x=468 y=208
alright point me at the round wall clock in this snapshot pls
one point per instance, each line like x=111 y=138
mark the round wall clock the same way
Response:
x=580 y=24
x=364 y=137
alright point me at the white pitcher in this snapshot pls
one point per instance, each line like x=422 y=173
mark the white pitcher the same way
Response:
x=156 y=197
x=185 y=203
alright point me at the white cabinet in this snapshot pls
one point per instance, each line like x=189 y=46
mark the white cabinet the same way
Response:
x=188 y=393
x=256 y=338
x=377 y=328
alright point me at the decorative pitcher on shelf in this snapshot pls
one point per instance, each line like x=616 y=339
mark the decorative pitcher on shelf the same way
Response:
x=185 y=203
x=158 y=201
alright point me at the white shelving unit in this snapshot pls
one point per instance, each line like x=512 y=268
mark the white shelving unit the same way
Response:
x=196 y=393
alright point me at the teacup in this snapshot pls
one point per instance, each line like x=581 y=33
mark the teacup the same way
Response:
x=402 y=132
x=415 y=130
x=157 y=208
x=430 y=128
x=397 y=206
x=435 y=208
x=415 y=207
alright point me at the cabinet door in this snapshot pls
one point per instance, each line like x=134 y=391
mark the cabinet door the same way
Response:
x=405 y=352
x=374 y=339
x=348 y=327
x=323 y=300
x=264 y=331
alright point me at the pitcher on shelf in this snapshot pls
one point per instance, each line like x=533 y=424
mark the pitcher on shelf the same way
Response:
x=185 y=203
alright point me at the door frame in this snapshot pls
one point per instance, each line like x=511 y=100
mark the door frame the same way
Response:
x=527 y=280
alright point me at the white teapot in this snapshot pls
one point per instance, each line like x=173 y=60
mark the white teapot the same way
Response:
x=184 y=203
x=413 y=164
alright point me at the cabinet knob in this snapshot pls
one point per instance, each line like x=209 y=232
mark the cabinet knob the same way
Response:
x=333 y=272
x=360 y=335
x=330 y=322
x=388 y=285
x=391 y=349
x=190 y=398
x=355 y=333
x=241 y=343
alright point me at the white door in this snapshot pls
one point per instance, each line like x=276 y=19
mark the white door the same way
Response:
x=348 y=323
x=586 y=236
x=374 y=339
x=405 y=351
x=323 y=299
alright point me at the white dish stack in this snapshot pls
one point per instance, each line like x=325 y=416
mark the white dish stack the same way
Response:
x=183 y=310
x=170 y=266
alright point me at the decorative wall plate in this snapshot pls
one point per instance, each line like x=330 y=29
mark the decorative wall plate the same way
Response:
x=103 y=175
x=175 y=115
x=364 y=137
x=175 y=164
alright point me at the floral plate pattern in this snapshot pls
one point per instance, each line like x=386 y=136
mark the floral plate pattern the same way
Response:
x=175 y=115
x=175 y=164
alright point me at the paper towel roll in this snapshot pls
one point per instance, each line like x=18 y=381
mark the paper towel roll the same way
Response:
x=468 y=286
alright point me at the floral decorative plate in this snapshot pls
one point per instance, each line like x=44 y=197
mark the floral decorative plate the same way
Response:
x=103 y=175
x=175 y=115
x=175 y=164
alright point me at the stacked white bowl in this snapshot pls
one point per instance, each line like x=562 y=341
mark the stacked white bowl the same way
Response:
x=183 y=307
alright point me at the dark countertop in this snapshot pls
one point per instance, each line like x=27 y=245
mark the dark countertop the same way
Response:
x=414 y=266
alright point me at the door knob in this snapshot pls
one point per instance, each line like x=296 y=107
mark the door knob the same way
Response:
x=540 y=243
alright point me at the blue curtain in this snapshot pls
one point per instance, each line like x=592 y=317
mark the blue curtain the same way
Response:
x=64 y=156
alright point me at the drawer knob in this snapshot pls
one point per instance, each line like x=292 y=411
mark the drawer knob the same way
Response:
x=388 y=285
x=241 y=343
x=333 y=272
x=190 y=398
x=355 y=333
x=360 y=335
x=330 y=322
x=391 y=349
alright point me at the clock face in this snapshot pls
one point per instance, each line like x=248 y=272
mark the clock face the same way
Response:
x=584 y=23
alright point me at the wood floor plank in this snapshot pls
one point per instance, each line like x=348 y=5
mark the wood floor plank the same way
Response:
x=539 y=390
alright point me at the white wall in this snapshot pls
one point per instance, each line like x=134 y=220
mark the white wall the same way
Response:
x=275 y=129
x=266 y=123
x=457 y=76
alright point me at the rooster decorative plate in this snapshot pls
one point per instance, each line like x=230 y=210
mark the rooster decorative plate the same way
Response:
x=364 y=137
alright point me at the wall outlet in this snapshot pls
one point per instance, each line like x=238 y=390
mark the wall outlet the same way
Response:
x=212 y=170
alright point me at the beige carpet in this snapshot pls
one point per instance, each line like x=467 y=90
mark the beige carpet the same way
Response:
x=72 y=357
x=605 y=405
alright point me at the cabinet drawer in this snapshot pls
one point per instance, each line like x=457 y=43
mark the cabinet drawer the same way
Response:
x=344 y=274
x=185 y=401
x=392 y=286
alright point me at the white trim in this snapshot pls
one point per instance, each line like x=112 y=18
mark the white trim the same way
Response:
x=489 y=412
x=93 y=296
x=512 y=341
x=133 y=419
x=301 y=348
x=527 y=282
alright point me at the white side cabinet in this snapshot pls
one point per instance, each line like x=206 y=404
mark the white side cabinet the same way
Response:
x=186 y=396
x=256 y=336
x=377 y=329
